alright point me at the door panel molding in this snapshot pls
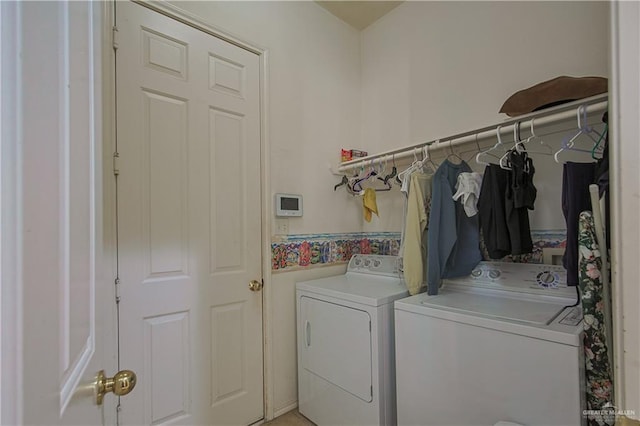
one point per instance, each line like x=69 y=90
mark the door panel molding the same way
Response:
x=78 y=251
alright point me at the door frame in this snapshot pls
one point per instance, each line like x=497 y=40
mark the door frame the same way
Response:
x=109 y=66
x=624 y=107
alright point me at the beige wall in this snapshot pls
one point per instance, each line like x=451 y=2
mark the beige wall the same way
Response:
x=433 y=69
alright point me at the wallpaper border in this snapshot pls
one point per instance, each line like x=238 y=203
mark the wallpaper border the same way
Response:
x=301 y=251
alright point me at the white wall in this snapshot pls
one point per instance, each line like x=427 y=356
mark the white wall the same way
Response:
x=432 y=69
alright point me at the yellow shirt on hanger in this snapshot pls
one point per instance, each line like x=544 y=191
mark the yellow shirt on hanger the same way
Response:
x=369 y=203
x=414 y=257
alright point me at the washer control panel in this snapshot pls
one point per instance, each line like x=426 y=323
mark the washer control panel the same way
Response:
x=525 y=277
x=548 y=279
x=376 y=264
x=572 y=316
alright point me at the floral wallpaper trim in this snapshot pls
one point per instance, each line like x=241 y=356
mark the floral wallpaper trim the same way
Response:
x=289 y=252
x=304 y=250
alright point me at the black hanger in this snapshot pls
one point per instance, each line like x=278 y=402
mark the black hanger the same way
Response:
x=394 y=172
x=344 y=181
x=387 y=188
x=359 y=181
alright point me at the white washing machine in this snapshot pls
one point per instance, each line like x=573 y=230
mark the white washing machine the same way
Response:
x=345 y=343
x=499 y=345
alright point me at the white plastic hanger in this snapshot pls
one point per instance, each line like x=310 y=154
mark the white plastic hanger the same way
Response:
x=404 y=175
x=427 y=161
x=489 y=152
x=517 y=146
x=504 y=160
x=545 y=149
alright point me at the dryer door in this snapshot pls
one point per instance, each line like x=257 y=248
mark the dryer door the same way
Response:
x=337 y=345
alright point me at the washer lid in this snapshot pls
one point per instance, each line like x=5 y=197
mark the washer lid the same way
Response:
x=372 y=290
x=528 y=311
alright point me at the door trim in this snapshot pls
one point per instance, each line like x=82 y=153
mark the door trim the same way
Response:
x=623 y=112
x=10 y=218
x=108 y=198
x=196 y=22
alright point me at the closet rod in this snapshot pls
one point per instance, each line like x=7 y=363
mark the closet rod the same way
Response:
x=546 y=117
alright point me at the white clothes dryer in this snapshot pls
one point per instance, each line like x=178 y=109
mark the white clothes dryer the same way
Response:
x=500 y=345
x=346 y=343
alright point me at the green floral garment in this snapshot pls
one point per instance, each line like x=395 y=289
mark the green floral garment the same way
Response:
x=597 y=365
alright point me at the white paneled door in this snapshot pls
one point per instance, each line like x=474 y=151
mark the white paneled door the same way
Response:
x=189 y=223
x=52 y=215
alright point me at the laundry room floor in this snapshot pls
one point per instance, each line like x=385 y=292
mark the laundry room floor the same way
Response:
x=292 y=418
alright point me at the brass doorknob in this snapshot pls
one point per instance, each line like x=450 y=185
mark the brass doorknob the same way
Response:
x=255 y=285
x=121 y=384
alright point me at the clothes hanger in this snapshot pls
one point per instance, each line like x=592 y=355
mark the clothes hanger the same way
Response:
x=605 y=132
x=348 y=181
x=583 y=126
x=568 y=143
x=353 y=180
x=548 y=150
x=397 y=179
x=504 y=161
x=344 y=181
x=473 y=151
x=453 y=154
x=597 y=145
x=394 y=170
x=518 y=143
x=416 y=163
x=387 y=186
x=382 y=168
x=519 y=150
x=518 y=147
x=357 y=186
x=489 y=152
x=427 y=159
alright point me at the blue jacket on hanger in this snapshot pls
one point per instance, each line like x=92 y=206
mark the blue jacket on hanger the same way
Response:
x=454 y=238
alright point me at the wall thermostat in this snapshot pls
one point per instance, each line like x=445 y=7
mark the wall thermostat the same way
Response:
x=288 y=205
